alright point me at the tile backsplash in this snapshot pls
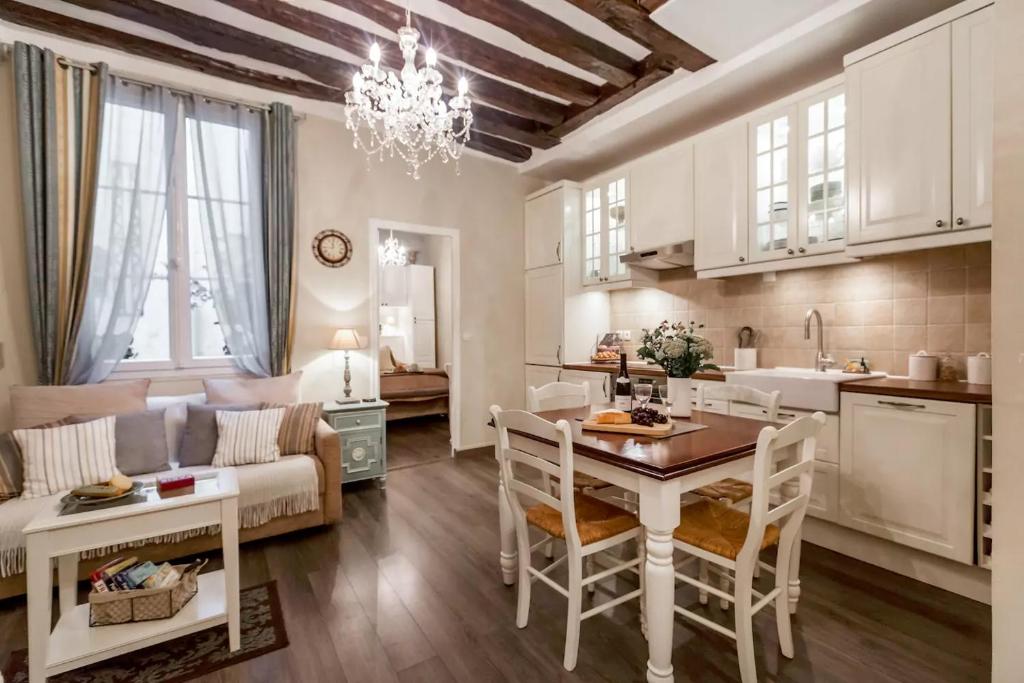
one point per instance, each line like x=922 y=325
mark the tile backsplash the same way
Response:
x=883 y=309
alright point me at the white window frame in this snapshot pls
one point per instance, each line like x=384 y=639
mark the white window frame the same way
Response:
x=181 y=363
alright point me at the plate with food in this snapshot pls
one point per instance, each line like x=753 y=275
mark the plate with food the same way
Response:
x=642 y=421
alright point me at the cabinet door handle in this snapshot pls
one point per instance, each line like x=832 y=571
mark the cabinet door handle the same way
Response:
x=901 y=404
x=939 y=223
x=802 y=250
x=960 y=220
x=789 y=251
x=558 y=354
x=743 y=259
x=558 y=251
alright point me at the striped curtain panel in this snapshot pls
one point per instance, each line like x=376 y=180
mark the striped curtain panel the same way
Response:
x=59 y=116
x=279 y=224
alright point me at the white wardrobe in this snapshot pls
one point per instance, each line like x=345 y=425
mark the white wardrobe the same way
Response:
x=407 y=299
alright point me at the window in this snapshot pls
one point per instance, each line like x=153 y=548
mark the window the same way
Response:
x=179 y=326
x=826 y=175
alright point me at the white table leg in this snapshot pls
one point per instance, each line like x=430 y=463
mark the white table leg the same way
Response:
x=659 y=513
x=67 y=580
x=509 y=556
x=39 y=587
x=229 y=541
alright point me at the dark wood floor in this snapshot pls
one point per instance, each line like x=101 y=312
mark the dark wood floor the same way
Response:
x=418 y=440
x=407 y=589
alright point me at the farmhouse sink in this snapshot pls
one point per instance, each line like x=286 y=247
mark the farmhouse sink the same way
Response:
x=801 y=387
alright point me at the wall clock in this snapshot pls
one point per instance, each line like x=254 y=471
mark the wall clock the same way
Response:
x=332 y=248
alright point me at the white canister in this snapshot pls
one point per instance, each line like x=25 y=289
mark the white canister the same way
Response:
x=745 y=359
x=680 y=394
x=924 y=367
x=979 y=369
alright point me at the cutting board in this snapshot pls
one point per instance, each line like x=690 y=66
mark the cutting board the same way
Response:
x=640 y=430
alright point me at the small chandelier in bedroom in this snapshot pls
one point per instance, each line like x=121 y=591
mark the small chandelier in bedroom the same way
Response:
x=392 y=253
x=405 y=113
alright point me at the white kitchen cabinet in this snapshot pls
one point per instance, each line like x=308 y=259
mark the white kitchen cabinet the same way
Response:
x=546 y=215
x=973 y=88
x=544 y=316
x=907 y=472
x=539 y=375
x=661 y=198
x=720 y=197
x=821 y=169
x=772 y=138
x=900 y=146
x=420 y=283
x=606 y=226
x=828 y=439
x=424 y=343
x=394 y=287
x=824 y=502
x=599 y=383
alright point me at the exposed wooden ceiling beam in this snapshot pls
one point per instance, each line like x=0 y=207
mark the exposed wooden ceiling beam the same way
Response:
x=654 y=70
x=451 y=43
x=651 y=5
x=356 y=41
x=224 y=37
x=503 y=124
x=552 y=36
x=633 y=21
x=497 y=147
x=59 y=24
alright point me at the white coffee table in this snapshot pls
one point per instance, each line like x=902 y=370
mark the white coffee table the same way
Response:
x=49 y=536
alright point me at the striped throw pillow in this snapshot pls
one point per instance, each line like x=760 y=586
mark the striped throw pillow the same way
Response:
x=298 y=428
x=64 y=458
x=12 y=474
x=247 y=437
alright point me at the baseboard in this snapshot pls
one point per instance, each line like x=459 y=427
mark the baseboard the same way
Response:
x=966 y=580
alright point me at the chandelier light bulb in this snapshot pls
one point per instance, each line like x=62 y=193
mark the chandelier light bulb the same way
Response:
x=463 y=86
x=357 y=80
x=431 y=57
x=375 y=54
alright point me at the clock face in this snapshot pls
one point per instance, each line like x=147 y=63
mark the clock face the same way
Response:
x=332 y=248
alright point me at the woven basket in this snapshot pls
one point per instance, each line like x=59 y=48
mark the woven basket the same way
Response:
x=123 y=607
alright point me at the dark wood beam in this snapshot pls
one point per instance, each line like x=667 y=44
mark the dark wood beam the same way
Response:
x=633 y=21
x=451 y=43
x=224 y=37
x=482 y=88
x=552 y=36
x=516 y=128
x=654 y=70
x=60 y=24
x=496 y=147
x=651 y=5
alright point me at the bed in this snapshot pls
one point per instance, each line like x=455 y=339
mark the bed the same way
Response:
x=412 y=394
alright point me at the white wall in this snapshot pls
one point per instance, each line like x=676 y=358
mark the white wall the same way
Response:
x=1008 y=347
x=337 y=188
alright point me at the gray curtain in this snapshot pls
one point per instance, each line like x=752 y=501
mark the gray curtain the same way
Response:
x=135 y=161
x=279 y=221
x=225 y=192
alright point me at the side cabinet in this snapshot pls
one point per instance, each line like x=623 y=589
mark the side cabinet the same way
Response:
x=907 y=469
x=363 y=431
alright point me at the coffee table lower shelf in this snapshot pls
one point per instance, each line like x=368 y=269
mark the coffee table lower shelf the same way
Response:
x=73 y=643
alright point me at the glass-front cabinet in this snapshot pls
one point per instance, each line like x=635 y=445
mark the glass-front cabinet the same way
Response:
x=605 y=230
x=797 y=178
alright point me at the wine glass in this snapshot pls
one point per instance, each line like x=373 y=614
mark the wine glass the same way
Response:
x=666 y=401
x=643 y=394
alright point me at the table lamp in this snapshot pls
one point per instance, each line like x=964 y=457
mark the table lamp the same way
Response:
x=346 y=339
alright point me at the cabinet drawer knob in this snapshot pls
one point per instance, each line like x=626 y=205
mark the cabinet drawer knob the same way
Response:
x=939 y=223
x=802 y=250
x=789 y=251
x=960 y=220
x=743 y=259
x=359 y=422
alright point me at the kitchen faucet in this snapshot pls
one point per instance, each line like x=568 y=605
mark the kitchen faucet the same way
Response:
x=821 y=361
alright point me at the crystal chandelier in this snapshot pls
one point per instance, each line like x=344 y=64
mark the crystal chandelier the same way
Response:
x=406 y=113
x=392 y=253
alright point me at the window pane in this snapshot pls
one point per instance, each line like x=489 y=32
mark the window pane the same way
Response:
x=224 y=178
x=152 y=338
x=816 y=190
x=816 y=154
x=764 y=169
x=836 y=111
x=764 y=200
x=764 y=237
x=816 y=118
x=837 y=224
x=836 y=193
x=780 y=167
x=207 y=339
x=836 y=149
x=780 y=132
x=816 y=227
x=779 y=232
x=764 y=132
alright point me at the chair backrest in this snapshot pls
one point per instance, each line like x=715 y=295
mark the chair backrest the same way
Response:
x=557 y=395
x=737 y=392
x=792 y=449
x=513 y=461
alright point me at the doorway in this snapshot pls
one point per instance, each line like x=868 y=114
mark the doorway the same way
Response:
x=415 y=338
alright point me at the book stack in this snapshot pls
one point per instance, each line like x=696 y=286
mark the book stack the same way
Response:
x=127 y=573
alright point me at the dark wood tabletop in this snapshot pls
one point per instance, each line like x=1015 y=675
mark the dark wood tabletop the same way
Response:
x=726 y=438
x=639 y=370
x=961 y=392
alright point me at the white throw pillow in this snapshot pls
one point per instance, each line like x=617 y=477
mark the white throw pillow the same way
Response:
x=247 y=437
x=64 y=458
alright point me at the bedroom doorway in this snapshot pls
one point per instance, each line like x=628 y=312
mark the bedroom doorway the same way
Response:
x=414 y=328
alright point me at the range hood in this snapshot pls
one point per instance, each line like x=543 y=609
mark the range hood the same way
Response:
x=679 y=255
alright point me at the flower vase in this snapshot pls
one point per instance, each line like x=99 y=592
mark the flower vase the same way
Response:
x=680 y=395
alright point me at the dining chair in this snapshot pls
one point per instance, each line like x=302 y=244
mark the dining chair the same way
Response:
x=730 y=540
x=589 y=526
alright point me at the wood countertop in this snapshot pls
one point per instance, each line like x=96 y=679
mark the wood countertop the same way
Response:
x=961 y=392
x=639 y=370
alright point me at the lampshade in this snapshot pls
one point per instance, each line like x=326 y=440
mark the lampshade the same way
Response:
x=345 y=339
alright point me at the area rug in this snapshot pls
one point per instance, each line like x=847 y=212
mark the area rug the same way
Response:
x=185 y=658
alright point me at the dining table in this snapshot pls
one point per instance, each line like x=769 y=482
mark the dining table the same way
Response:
x=658 y=471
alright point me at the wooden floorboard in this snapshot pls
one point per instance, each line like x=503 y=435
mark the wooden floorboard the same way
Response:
x=407 y=589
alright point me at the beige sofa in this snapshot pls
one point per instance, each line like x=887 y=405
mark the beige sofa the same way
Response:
x=295 y=492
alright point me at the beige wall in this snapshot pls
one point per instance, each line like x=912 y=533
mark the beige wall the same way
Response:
x=882 y=309
x=338 y=189
x=1008 y=338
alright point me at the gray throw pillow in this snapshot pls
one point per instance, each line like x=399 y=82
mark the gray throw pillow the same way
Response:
x=140 y=441
x=199 y=442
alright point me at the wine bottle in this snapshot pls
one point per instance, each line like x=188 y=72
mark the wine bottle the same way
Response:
x=623 y=390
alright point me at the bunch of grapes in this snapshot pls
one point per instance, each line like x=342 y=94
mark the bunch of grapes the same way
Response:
x=647 y=417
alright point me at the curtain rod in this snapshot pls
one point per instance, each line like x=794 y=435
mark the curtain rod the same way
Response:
x=6 y=48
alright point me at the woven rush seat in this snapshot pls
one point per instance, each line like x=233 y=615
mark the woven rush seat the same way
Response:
x=732 y=490
x=718 y=528
x=596 y=520
x=582 y=481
